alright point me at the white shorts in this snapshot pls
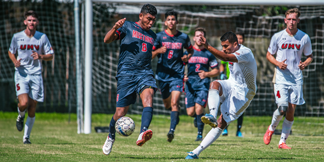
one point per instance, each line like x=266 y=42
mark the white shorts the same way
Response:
x=30 y=84
x=235 y=99
x=289 y=93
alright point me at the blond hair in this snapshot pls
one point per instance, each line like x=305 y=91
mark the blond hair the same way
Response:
x=293 y=10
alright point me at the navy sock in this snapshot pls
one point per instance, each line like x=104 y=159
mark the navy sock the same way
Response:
x=178 y=118
x=239 y=123
x=147 y=115
x=112 y=129
x=200 y=124
x=174 y=119
x=194 y=116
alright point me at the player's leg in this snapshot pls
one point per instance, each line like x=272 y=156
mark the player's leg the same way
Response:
x=239 y=126
x=30 y=120
x=190 y=103
x=22 y=107
x=166 y=94
x=175 y=96
x=199 y=109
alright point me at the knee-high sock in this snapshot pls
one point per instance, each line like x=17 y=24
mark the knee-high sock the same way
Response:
x=29 y=126
x=212 y=135
x=213 y=101
x=286 y=127
x=112 y=129
x=147 y=115
x=275 y=120
x=21 y=113
x=174 y=120
x=239 y=123
x=200 y=124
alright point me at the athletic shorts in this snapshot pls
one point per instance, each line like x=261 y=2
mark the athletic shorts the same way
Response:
x=167 y=87
x=129 y=86
x=289 y=93
x=235 y=99
x=32 y=84
x=194 y=96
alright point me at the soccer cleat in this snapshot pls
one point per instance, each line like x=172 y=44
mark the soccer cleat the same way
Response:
x=267 y=136
x=210 y=120
x=225 y=133
x=144 y=137
x=239 y=134
x=27 y=141
x=191 y=155
x=199 y=138
x=195 y=122
x=283 y=146
x=170 y=136
x=107 y=147
x=20 y=123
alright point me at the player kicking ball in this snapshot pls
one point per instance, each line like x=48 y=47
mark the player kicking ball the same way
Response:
x=168 y=47
x=135 y=74
x=32 y=47
x=235 y=94
x=289 y=44
x=198 y=80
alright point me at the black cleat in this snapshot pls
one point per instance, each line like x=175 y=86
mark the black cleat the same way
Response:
x=170 y=136
x=20 y=123
x=27 y=141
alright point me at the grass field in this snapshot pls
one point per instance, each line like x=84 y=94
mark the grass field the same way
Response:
x=54 y=139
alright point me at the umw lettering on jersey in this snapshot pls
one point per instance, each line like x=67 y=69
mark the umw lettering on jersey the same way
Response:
x=170 y=45
x=290 y=46
x=29 y=47
x=197 y=59
x=142 y=37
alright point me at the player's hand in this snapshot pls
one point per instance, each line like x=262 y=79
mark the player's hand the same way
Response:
x=202 y=74
x=222 y=76
x=119 y=23
x=35 y=55
x=185 y=78
x=185 y=58
x=203 y=42
x=301 y=65
x=17 y=63
x=282 y=65
x=162 y=50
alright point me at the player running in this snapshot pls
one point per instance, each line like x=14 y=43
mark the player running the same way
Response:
x=32 y=46
x=135 y=74
x=168 y=47
x=289 y=44
x=235 y=94
x=197 y=83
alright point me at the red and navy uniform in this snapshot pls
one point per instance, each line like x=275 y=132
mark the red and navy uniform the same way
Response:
x=170 y=68
x=134 y=66
x=196 y=88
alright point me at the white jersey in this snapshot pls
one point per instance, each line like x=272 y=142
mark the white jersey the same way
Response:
x=25 y=46
x=290 y=48
x=244 y=72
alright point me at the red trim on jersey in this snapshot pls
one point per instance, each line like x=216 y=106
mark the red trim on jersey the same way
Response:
x=118 y=32
x=154 y=48
x=190 y=47
x=197 y=49
x=170 y=34
x=139 y=25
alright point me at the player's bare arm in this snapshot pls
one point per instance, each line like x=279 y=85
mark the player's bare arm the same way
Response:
x=282 y=65
x=111 y=35
x=185 y=58
x=205 y=74
x=219 y=54
x=309 y=59
x=161 y=50
x=13 y=59
x=47 y=57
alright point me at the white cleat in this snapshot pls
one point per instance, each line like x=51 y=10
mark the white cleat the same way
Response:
x=144 y=137
x=107 y=147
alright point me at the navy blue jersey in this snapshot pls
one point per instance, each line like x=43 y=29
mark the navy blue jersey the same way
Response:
x=136 y=46
x=170 y=65
x=200 y=60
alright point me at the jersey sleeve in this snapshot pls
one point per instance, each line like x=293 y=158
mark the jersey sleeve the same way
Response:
x=273 y=47
x=121 y=32
x=213 y=62
x=13 y=45
x=47 y=46
x=187 y=44
x=308 y=47
x=157 y=43
x=243 y=56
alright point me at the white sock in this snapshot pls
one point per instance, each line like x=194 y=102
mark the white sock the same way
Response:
x=29 y=126
x=21 y=113
x=212 y=135
x=275 y=120
x=286 y=127
x=213 y=101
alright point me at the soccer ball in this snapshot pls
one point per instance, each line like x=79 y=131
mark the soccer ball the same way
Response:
x=125 y=126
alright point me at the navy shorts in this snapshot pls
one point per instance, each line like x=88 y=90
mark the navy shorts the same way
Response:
x=167 y=87
x=129 y=86
x=195 y=96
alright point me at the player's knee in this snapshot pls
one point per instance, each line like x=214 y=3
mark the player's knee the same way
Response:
x=282 y=110
x=23 y=105
x=191 y=113
x=214 y=85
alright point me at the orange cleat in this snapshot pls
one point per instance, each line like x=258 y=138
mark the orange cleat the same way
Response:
x=267 y=136
x=144 y=137
x=283 y=146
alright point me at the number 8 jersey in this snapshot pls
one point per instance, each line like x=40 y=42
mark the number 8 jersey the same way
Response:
x=135 y=49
